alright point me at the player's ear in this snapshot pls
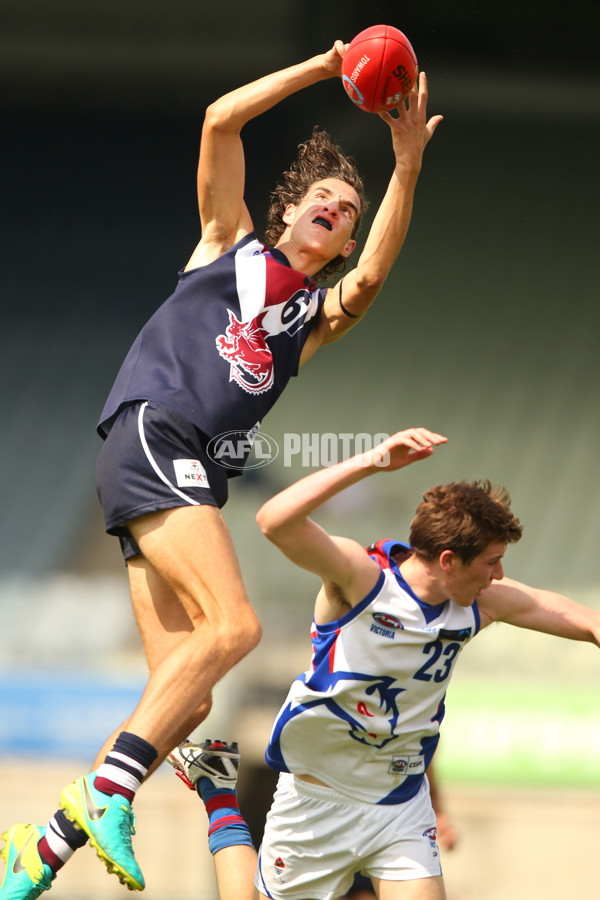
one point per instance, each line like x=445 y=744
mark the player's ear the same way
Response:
x=348 y=248
x=448 y=560
x=288 y=213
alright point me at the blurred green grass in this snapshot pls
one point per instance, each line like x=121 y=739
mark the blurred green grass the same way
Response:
x=537 y=734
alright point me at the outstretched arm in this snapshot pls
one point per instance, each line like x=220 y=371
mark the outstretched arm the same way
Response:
x=339 y=562
x=540 y=610
x=221 y=169
x=410 y=131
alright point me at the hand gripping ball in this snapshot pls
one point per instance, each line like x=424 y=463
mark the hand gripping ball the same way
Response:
x=379 y=68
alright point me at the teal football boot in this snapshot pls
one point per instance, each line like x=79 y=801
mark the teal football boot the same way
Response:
x=109 y=823
x=26 y=875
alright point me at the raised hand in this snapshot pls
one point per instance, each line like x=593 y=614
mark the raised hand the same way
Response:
x=331 y=61
x=411 y=129
x=403 y=448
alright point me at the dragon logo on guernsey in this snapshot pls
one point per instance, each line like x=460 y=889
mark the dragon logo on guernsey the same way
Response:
x=244 y=346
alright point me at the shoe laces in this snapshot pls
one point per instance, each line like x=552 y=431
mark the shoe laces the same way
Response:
x=127 y=824
x=44 y=884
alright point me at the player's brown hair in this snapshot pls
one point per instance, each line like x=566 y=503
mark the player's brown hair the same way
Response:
x=318 y=158
x=463 y=517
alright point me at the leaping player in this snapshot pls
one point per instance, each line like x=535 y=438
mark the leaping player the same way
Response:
x=214 y=358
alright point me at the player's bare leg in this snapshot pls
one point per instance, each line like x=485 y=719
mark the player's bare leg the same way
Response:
x=196 y=622
x=190 y=550
x=420 y=889
x=163 y=623
x=211 y=769
x=186 y=729
x=235 y=868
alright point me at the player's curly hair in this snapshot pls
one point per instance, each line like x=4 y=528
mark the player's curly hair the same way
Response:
x=463 y=517
x=318 y=158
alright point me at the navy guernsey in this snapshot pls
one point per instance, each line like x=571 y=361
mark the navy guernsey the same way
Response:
x=221 y=349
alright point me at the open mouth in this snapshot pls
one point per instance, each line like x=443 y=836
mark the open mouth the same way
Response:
x=321 y=221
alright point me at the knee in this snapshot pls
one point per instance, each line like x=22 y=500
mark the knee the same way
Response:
x=230 y=638
x=239 y=638
x=246 y=634
x=253 y=631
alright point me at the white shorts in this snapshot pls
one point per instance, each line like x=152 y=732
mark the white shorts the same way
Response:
x=315 y=840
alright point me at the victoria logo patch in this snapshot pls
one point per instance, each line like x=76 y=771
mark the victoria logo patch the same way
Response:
x=386 y=620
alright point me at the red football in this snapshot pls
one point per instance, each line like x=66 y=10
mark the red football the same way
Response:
x=379 y=68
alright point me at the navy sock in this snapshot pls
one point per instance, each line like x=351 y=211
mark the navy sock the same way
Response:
x=125 y=766
x=60 y=842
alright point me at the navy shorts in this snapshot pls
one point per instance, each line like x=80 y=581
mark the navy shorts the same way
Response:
x=152 y=459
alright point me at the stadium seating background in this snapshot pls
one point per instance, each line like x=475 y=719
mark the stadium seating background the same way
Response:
x=487 y=331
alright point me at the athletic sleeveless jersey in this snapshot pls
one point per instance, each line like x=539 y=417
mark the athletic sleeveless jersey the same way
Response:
x=221 y=349
x=365 y=717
